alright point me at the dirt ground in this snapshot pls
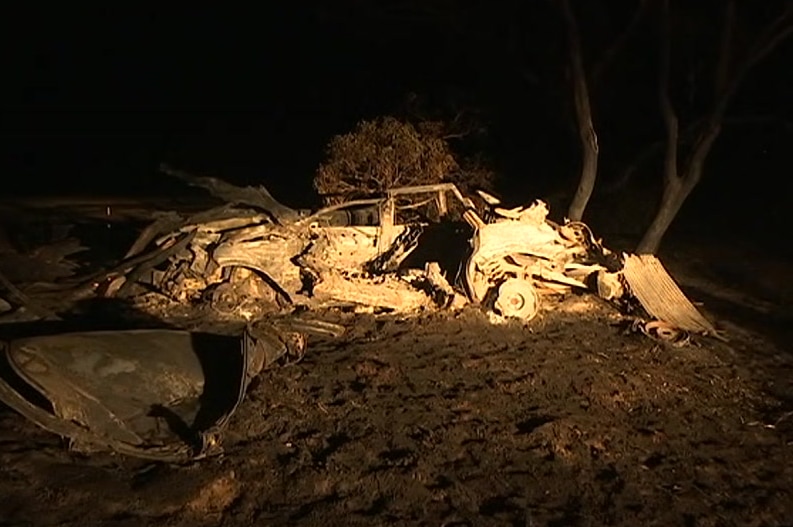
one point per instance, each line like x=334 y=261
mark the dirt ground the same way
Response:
x=445 y=419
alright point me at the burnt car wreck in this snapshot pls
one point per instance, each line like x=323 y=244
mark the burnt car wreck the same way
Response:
x=401 y=252
x=167 y=394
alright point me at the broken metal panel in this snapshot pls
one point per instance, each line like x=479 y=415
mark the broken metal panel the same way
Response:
x=522 y=245
x=308 y=257
x=258 y=197
x=348 y=247
x=167 y=222
x=227 y=224
x=177 y=249
x=387 y=228
x=439 y=283
x=271 y=257
x=443 y=206
x=393 y=256
x=200 y=261
x=258 y=232
x=551 y=275
x=660 y=296
x=506 y=237
x=524 y=231
x=433 y=188
x=245 y=294
x=158 y=394
x=319 y=216
x=386 y=292
x=609 y=286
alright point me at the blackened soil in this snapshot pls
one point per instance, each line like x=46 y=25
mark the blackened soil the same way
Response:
x=447 y=419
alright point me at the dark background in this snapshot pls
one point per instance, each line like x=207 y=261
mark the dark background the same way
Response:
x=97 y=98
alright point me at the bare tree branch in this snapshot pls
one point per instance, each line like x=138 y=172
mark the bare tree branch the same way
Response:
x=667 y=109
x=725 y=48
x=770 y=38
x=586 y=130
x=651 y=150
x=725 y=87
x=679 y=180
x=779 y=30
x=618 y=45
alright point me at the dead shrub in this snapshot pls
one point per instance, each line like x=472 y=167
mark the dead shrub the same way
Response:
x=387 y=153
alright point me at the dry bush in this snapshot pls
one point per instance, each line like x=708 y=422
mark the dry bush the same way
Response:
x=388 y=153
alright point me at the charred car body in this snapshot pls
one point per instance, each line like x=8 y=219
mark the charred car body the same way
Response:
x=415 y=247
x=167 y=394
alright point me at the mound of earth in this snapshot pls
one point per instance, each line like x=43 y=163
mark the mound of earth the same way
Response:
x=448 y=419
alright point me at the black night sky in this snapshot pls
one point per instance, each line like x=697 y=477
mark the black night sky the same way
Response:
x=96 y=99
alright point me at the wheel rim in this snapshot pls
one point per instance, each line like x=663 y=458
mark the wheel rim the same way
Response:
x=517 y=299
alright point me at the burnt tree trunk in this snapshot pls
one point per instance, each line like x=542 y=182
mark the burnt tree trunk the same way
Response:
x=583 y=110
x=678 y=181
x=680 y=178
